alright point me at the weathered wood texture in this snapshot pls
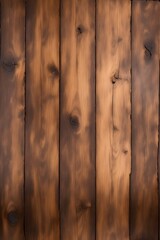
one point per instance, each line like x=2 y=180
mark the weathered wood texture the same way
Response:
x=12 y=70
x=42 y=120
x=77 y=133
x=79 y=119
x=145 y=115
x=113 y=118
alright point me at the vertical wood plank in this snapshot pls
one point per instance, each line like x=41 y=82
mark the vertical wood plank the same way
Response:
x=159 y=136
x=145 y=104
x=113 y=125
x=42 y=120
x=77 y=135
x=12 y=119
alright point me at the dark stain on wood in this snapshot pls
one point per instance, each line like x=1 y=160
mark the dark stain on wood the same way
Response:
x=9 y=66
x=149 y=50
x=80 y=29
x=74 y=122
x=12 y=217
x=53 y=70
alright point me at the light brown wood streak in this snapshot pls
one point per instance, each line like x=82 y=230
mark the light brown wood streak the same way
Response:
x=12 y=120
x=113 y=118
x=42 y=120
x=77 y=152
x=145 y=104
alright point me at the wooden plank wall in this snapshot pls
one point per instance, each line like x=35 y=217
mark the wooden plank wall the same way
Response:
x=79 y=120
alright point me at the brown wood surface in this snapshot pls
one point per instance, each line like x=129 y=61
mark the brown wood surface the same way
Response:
x=42 y=120
x=79 y=120
x=145 y=115
x=113 y=118
x=77 y=133
x=12 y=68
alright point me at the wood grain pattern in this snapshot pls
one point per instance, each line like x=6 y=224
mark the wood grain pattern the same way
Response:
x=12 y=119
x=42 y=120
x=113 y=118
x=158 y=163
x=79 y=119
x=77 y=135
x=145 y=114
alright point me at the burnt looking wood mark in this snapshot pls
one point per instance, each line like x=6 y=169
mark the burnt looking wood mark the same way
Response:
x=74 y=122
x=53 y=70
x=12 y=217
x=149 y=47
x=9 y=66
x=80 y=29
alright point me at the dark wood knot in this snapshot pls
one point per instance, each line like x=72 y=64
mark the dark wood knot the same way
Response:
x=12 y=217
x=80 y=30
x=21 y=114
x=74 y=121
x=125 y=151
x=53 y=70
x=115 y=78
x=84 y=206
x=149 y=50
x=9 y=66
x=115 y=128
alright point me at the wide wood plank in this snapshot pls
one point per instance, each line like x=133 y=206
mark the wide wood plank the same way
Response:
x=113 y=125
x=12 y=68
x=145 y=114
x=42 y=120
x=77 y=134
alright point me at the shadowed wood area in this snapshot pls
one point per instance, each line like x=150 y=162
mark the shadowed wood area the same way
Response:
x=79 y=120
x=145 y=115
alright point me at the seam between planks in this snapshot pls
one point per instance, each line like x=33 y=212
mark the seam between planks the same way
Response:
x=158 y=156
x=95 y=118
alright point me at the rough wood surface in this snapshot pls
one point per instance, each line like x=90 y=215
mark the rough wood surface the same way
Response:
x=79 y=119
x=145 y=115
x=12 y=119
x=77 y=134
x=113 y=118
x=42 y=120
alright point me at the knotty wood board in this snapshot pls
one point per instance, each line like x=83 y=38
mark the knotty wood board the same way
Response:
x=12 y=70
x=113 y=111
x=77 y=113
x=145 y=115
x=42 y=120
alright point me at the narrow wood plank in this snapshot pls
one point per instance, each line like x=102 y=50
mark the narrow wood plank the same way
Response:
x=113 y=125
x=146 y=0
x=42 y=120
x=12 y=119
x=145 y=104
x=77 y=135
x=159 y=137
